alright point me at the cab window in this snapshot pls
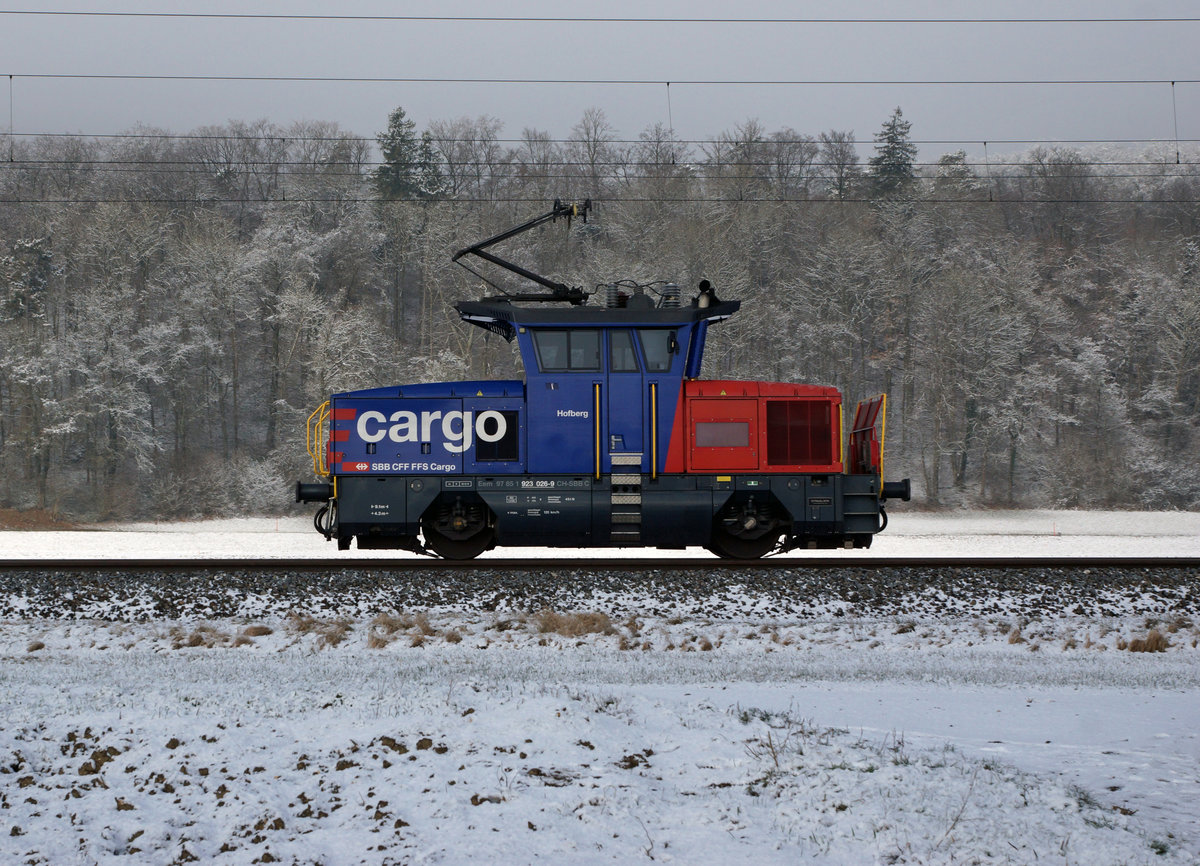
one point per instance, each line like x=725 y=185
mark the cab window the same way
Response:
x=656 y=349
x=621 y=355
x=574 y=350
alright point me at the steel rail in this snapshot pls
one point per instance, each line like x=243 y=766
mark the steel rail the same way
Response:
x=778 y=563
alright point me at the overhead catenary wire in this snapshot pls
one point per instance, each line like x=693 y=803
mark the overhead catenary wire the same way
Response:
x=635 y=82
x=325 y=172
x=1173 y=20
x=757 y=82
x=726 y=152
x=285 y=134
x=718 y=158
x=701 y=167
x=610 y=200
x=512 y=160
x=655 y=82
x=572 y=19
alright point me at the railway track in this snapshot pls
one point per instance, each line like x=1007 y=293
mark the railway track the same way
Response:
x=146 y=590
x=410 y=564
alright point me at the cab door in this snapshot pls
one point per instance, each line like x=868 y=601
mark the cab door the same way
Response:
x=626 y=403
x=563 y=435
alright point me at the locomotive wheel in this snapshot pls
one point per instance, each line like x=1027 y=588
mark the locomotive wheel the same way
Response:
x=459 y=529
x=458 y=548
x=728 y=546
x=744 y=529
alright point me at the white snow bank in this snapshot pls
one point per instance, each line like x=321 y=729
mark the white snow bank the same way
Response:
x=985 y=533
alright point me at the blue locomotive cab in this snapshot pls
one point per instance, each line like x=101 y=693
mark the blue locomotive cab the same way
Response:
x=602 y=383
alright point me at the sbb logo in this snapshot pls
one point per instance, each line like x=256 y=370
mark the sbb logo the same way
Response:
x=457 y=428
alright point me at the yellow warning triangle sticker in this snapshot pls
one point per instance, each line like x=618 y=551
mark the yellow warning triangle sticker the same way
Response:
x=723 y=392
x=479 y=393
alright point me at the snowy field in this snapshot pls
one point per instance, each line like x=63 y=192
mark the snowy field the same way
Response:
x=942 y=534
x=462 y=735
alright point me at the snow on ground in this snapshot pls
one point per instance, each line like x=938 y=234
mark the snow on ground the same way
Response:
x=452 y=735
x=909 y=533
x=490 y=739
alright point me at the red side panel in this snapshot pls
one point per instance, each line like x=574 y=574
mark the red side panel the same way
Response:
x=722 y=434
x=759 y=427
x=802 y=432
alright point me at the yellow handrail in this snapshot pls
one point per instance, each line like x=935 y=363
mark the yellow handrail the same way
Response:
x=596 y=424
x=653 y=431
x=315 y=437
x=841 y=439
x=882 y=437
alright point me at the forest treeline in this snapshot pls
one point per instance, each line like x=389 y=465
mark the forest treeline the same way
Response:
x=173 y=306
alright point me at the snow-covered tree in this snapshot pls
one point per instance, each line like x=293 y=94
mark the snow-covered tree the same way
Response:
x=892 y=164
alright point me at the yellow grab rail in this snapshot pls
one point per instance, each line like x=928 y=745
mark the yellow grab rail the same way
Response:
x=653 y=431
x=596 y=424
x=315 y=438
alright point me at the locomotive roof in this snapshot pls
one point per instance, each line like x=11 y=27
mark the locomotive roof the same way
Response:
x=504 y=318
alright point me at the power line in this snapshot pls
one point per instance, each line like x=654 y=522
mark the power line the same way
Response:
x=698 y=170
x=537 y=19
x=349 y=137
x=656 y=82
x=703 y=168
x=807 y=200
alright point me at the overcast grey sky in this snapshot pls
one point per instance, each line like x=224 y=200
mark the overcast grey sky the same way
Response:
x=658 y=52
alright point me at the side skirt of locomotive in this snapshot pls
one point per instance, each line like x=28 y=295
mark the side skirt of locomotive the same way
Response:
x=741 y=516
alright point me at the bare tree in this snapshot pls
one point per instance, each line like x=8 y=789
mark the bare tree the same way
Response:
x=470 y=154
x=592 y=156
x=838 y=162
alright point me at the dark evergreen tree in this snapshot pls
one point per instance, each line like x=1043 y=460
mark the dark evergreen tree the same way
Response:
x=892 y=164
x=410 y=165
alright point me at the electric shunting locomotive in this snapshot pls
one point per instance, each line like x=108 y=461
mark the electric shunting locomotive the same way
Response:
x=611 y=439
